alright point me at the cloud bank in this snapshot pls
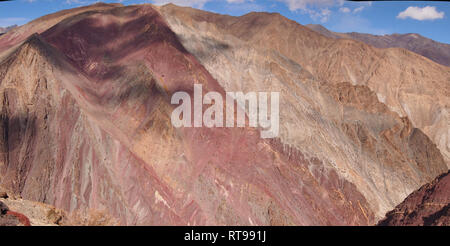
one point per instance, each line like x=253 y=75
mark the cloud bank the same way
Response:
x=417 y=13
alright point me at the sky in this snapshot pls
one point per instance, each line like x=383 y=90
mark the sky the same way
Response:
x=428 y=18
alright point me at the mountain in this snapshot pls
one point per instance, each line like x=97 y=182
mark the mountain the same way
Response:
x=430 y=205
x=435 y=51
x=336 y=108
x=12 y=40
x=431 y=114
x=336 y=61
x=85 y=106
x=4 y=30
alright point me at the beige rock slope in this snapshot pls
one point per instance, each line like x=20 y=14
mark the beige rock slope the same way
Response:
x=414 y=86
x=341 y=123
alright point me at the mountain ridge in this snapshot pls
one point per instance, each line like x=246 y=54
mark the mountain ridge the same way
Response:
x=433 y=50
x=4 y=30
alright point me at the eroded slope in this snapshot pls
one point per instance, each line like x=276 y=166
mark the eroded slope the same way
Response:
x=414 y=87
x=345 y=126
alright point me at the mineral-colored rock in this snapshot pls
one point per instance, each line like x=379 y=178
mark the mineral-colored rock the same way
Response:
x=430 y=205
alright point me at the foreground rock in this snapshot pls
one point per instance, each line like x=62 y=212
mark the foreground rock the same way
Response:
x=12 y=218
x=20 y=212
x=428 y=206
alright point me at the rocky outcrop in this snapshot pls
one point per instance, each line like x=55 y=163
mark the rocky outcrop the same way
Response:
x=16 y=211
x=11 y=218
x=428 y=206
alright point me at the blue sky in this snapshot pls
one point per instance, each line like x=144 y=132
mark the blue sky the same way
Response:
x=428 y=18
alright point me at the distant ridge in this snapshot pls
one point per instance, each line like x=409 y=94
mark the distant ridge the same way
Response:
x=4 y=30
x=435 y=51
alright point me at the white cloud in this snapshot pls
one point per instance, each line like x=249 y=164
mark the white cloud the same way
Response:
x=359 y=9
x=79 y=2
x=73 y=1
x=317 y=9
x=344 y=10
x=324 y=15
x=321 y=15
x=294 y=5
x=417 y=13
x=238 y=8
x=235 y=1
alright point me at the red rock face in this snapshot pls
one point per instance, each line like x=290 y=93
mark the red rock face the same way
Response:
x=39 y=25
x=86 y=125
x=429 y=206
x=20 y=217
